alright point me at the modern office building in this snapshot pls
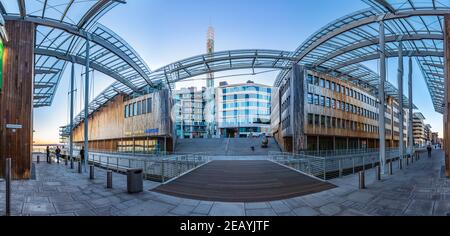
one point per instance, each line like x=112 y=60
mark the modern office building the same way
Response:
x=189 y=109
x=131 y=124
x=419 y=127
x=316 y=111
x=428 y=134
x=435 y=138
x=243 y=109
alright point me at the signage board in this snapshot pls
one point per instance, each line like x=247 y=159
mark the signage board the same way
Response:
x=152 y=131
x=13 y=126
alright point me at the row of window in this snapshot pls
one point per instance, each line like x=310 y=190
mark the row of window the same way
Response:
x=138 y=108
x=315 y=99
x=246 y=104
x=333 y=86
x=245 y=96
x=246 y=88
x=245 y=121
x=338 y=123
x=247 y=112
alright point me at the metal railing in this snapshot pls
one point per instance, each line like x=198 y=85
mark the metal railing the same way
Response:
x=161 y=169
x=330 y=167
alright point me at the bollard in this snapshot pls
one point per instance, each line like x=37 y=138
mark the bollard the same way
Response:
x=400 y=163
x=91 y=172
x=66 y=162
x=378 y=173
x=79 y=167
x=38 y=159
x=407 y=161
x=362 y=180
x=71 y=163
x=8 y=187
x=109 y=179
x=391 y=170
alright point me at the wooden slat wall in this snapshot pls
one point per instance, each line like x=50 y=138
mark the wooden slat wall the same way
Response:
x=110 y=124
x=447 y=97
x=16 y=98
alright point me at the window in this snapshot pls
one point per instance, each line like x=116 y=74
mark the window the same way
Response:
x=144 y=106
x=316 y=80
x=316 y=100
x=338 y=105
x=317 y=120
x=338 y=88
x=351 y=92
x=347 y=92
x=149 y=105
x=310 y=98
x=322 y=121
x=328 y=102
x=322 y=83
x=126 y=111
x=328 y=122
x=134 y=109
x=333 y=103
x=327 y=84
x=310 y=79
x=333 y=86
x=310 y=119
x=322 y=100
x=333 y=122
x=139 y=106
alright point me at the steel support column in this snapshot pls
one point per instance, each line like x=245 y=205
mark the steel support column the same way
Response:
x=410 y=104
x=382 y=100
x=400 y=95
x=86 y=105
x=72 y=82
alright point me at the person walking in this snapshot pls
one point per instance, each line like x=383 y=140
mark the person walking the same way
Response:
x=82 y=155
x=57 y=153
x=48 y=154
x=429 y=149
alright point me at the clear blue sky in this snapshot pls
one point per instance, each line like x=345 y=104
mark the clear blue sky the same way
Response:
x=165 y=31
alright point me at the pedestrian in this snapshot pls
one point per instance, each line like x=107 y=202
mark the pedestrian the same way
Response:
x=82 y=155
x=48 y=154
x=57 y=153
x=429 y=149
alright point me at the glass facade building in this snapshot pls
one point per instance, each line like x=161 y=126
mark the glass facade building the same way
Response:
x=243 y=109
x=189 y=112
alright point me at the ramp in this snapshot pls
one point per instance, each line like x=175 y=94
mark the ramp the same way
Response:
x=243 y=181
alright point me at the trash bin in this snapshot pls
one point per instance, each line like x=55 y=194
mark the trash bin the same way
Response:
x=135 y=183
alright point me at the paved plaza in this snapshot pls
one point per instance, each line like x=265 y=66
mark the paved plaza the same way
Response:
x=420 y=189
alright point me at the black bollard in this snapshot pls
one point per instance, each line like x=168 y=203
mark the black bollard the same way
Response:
x=91 y=172
x=391 y=170
x=8 y=187
x=109 y=179
x=79 y=167
x=378 y=173
x=38 y=159
x=362 y=180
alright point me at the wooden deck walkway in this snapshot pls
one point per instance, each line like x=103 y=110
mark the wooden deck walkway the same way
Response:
x=243 y=181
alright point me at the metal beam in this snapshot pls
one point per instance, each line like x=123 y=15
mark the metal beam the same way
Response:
x=400 y=94
x=410 y=101
x=86 y=105
x=82 y=61
x=84 y=34
x=393 y=53
x=375 y=41
x=22 y=8
x=382 y=100
x=385 y=5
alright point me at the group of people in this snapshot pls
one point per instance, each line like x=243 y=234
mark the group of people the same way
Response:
x=58 y=154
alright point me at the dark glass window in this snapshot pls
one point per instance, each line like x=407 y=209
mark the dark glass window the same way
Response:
x=139 y=106
x=149 y=105
x=126 y=111
x=144 y=106
x=134 y=109
x=310 y=98
x=322 y=83
x=328 y=102
x=322 y=121
x=333 y=86
x=317 y=120
x=327 y=84
x=310 y=119
x=322 y=100
x=310 y=79
x=316 y=100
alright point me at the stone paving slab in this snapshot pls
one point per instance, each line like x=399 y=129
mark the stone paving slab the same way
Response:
x=416 y=190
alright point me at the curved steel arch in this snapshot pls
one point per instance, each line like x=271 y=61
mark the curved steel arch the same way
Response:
x=222 y=61
x=196 y=66
x=354 y=39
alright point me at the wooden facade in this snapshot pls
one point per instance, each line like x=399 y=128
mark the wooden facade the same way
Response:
x=16 y=98
x=109 y=127
x=447 y=91
x=299 y=122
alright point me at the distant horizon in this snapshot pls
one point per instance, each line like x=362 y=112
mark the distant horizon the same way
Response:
x=161 y=39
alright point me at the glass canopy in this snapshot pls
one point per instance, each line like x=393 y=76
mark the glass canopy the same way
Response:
x=353 y=39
